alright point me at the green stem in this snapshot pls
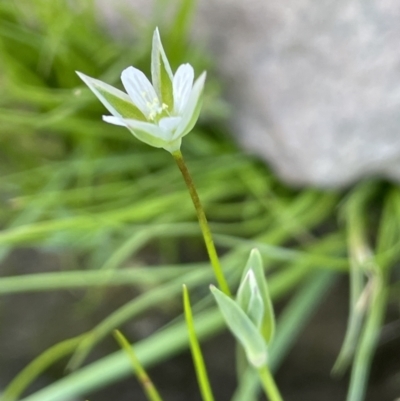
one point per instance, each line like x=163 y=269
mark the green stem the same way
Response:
x=268 y=384
x=205 y=229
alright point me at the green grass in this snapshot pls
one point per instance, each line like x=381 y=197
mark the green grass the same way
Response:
x=70 y=183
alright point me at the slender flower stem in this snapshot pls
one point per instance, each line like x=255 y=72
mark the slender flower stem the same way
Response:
x=205 y=229
x=268 y=384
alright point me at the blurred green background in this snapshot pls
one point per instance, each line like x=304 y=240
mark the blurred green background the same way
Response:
x=98 y=231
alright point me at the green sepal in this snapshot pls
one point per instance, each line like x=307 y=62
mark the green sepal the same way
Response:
x=161 y=72
x=115 y=101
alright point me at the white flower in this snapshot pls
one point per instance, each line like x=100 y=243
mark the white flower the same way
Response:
x=159 y=114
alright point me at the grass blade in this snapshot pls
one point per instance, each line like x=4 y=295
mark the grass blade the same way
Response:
x=360 y=260
x=144 y=379
x=201 y=371
x=28 y=375
x=159 y=347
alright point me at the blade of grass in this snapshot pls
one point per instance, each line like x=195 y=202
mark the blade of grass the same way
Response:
x=143 y=378
x=155 y=349
x=31 y=372
x=355 y=212
x=376 y=299
x=137 y=276
x=133 y=308
x=201 y=371
x=367 y=343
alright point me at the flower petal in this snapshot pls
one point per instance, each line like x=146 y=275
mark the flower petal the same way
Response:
x=114 y=120
x=161 y=73
x=141 y=91
x=151 y=134
x=192 y=109
x=154 y=135
x=151 y=129
x=182 y=85
x=115 y=101
x=169 y=124
x=145 y=132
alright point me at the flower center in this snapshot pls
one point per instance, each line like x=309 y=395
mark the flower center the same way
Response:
x=155 y=109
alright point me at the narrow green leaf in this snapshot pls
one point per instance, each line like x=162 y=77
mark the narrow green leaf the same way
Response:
x=143 y=378
x=255 y=265
x=132 y=308
x=376 y=299
x=250 y=299
x=360 y=256
x=31 y=372
x=367 y=343
x=163 y=344
x=242 y=328
x=201 y=371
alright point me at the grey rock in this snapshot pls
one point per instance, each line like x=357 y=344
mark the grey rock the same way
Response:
x=315 y=85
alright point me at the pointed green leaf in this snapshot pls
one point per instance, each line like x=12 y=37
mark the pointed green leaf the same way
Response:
x=243 y=294
x=250 y=299
x=161 y=72
x=242 y=328
x=115 y=101
x=255 y=264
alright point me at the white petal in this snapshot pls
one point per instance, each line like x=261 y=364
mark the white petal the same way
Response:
x=192 y=109
x=148 y=133
x=182 y=86
x=151 y=134
x=139 y=89
x=114 y=120
x=169 y=124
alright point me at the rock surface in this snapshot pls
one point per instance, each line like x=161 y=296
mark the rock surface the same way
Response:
x=315 y=85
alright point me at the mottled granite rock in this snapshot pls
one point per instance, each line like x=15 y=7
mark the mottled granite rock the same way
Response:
x=315 y=85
